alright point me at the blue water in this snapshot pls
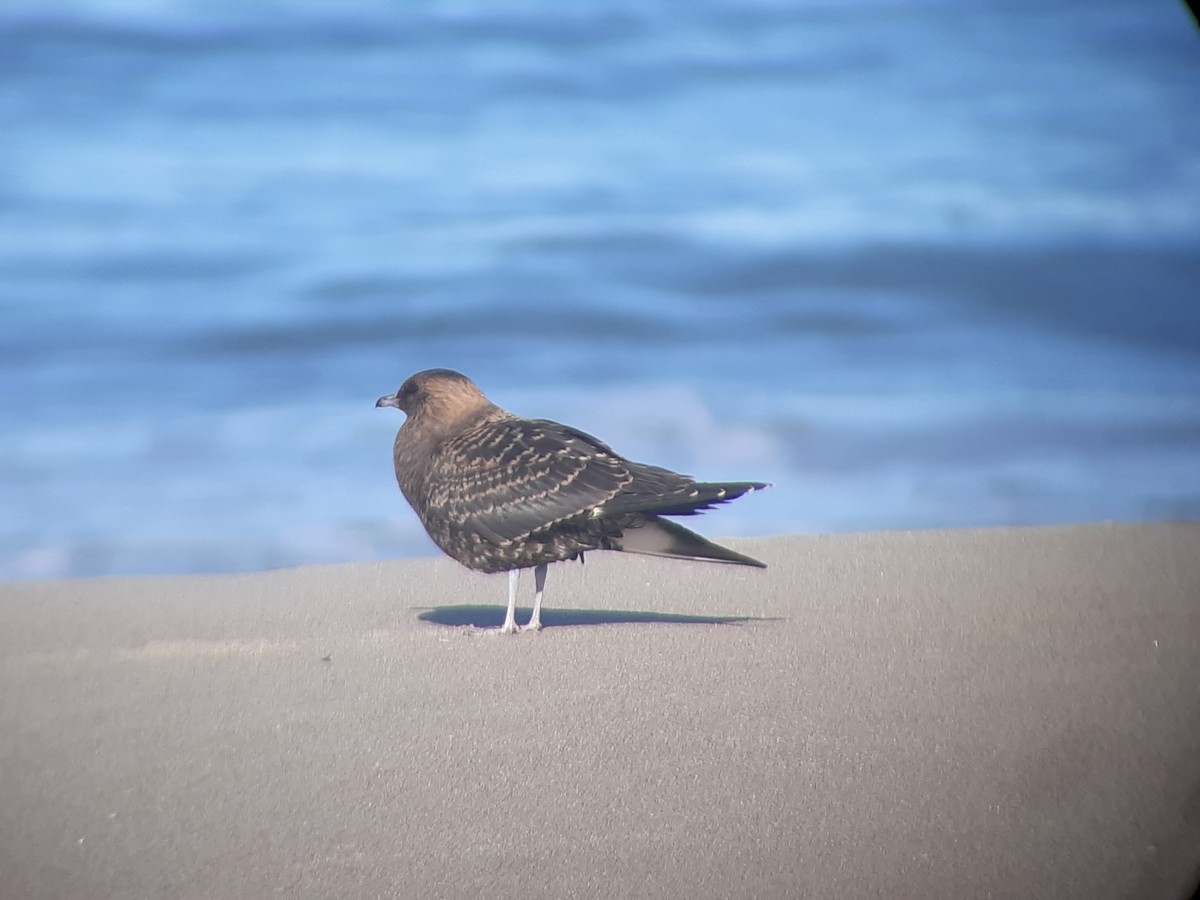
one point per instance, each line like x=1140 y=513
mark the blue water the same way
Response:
x=920 y=264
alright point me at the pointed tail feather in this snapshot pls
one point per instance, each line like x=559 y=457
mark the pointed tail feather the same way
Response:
x=662 y=537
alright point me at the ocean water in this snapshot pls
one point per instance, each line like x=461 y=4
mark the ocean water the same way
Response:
x=920 y=264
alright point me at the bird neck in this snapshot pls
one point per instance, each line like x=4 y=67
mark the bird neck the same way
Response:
x=426 y=429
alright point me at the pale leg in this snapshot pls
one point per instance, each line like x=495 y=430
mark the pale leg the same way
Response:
x=539 y=583
x=510 y=617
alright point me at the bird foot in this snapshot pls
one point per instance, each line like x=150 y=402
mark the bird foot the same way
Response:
x=532 y=626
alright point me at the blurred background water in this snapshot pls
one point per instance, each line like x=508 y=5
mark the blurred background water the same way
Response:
x=920 y=264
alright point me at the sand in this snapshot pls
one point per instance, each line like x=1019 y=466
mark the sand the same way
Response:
x=995 y=713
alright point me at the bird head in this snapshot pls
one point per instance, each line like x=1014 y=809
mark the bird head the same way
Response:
x=445 y=394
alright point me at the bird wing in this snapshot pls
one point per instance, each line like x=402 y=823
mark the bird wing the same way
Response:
x=509 y=478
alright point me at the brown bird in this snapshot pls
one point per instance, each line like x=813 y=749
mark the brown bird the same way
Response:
x=500 y=493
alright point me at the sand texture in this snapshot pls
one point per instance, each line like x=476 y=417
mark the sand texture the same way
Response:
x=996 y=713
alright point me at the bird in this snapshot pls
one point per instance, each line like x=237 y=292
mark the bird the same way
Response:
x=501 y=493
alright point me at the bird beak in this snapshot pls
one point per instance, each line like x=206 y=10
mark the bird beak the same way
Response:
x=390 y=400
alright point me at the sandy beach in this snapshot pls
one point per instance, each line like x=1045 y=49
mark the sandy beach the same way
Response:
x=959 y=714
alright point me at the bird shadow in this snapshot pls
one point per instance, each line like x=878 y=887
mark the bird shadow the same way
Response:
x=493 y=616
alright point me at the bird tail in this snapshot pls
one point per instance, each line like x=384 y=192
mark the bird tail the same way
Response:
x=662 y=537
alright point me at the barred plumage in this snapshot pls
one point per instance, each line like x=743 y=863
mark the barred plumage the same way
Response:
x=501 y=493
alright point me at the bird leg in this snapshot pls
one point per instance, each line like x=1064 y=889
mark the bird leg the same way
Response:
x=539 y=582
x=510 y=617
